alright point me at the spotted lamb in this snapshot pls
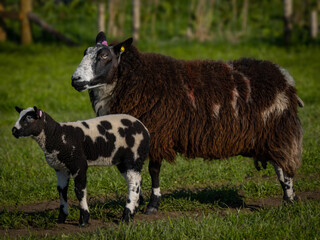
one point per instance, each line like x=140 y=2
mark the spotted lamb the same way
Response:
x=71 y=147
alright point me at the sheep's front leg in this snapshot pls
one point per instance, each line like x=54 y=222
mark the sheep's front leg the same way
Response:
x=133 y=180
x=155 y=198
x=62 y=186
x=80 y=181
x=286 y=184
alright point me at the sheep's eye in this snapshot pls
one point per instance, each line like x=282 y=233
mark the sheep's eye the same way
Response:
x=104 y=56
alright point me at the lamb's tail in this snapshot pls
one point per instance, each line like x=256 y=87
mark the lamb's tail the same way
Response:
x=300 y=102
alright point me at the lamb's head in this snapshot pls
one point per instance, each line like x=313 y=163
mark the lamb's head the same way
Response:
x=99 y=64
x=30 y=122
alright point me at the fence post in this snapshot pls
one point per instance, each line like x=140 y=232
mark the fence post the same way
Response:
x=3 y=34
x=25 y=8
x=101 y=16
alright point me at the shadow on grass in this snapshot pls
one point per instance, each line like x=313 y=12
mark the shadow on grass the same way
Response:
x=224 y=197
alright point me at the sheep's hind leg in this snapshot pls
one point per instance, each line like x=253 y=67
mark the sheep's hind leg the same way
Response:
x=80 y=181
x=133 y=179
x=62 y=186
x=286 y=184
x=155 y=198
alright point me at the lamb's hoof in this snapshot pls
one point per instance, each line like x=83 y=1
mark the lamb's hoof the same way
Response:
x=151 y=211
x=84 y=224
x=126 y=216
x=84 y=218
x=289 y=201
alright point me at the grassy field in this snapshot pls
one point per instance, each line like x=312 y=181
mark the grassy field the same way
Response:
x=226 y=199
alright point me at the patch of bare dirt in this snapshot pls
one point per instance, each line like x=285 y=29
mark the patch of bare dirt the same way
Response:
x=72 y=226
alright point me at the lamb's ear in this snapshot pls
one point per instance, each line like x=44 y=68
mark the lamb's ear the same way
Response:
x=38 y=112
x=122 y=47
x=101 y=37
x=18 y=109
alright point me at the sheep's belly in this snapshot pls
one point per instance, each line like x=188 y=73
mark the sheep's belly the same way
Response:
x=101 y=161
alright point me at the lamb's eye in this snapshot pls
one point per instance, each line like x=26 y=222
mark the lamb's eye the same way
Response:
x=29 y=118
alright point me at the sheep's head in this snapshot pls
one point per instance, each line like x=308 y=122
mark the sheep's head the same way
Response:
x=99 y=64
x=30 y=122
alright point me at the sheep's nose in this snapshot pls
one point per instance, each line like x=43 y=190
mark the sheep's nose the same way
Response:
x=75 y=78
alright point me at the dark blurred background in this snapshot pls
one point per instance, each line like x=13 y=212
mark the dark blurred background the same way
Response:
x=286 y=22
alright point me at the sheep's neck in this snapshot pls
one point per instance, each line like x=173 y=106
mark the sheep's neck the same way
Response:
x=100 y=98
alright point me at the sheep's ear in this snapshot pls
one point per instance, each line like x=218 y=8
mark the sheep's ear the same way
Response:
x=101 y=37
x=18 y=109
x=38 y=112
x=122 y=47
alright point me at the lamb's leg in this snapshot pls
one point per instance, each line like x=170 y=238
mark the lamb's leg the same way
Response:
x=80 y=181
x=62 y=186
x=133 y=179
x=155 y=198
x=286 y=184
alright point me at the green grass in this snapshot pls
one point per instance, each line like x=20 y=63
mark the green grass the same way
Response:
x=41 y=75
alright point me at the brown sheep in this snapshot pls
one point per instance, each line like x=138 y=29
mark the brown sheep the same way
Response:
x=200 y=108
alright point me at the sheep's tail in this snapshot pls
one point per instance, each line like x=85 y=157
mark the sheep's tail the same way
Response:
x=300 y=102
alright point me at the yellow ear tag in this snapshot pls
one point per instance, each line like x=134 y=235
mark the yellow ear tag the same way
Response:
x=122 y=49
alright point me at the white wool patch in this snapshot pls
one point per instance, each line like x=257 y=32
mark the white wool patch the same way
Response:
x=52 y=160
x=156 y=191
x=280 y=104
x=133 y=180
x=41 y=140
x=83 y=201
x=235 y=95
x=64 y=139
x=215 y=110
x=137 y=140
x=287 y=76
x=22 y=113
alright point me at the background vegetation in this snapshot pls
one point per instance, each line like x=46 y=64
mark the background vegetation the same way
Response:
x=201 y=199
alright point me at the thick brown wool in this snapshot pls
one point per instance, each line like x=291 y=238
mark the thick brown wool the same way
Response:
x=211 y=109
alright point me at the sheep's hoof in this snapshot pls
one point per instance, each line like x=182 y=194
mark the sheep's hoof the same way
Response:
x=127 y=216
x=62 y=217
x=151 y=211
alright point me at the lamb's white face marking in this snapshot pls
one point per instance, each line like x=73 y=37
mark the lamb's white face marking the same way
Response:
x=22 y=113
x=133 y=180
x=279 y=105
